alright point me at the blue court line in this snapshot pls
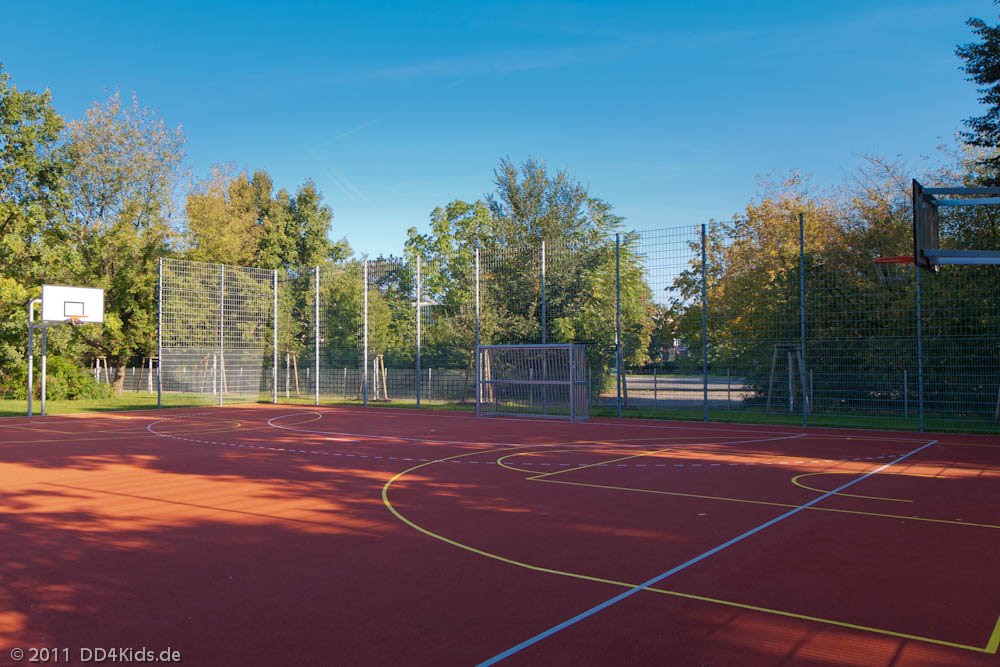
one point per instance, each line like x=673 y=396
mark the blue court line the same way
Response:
x=697 y=559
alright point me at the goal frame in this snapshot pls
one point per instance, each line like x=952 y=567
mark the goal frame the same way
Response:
x=570 y=380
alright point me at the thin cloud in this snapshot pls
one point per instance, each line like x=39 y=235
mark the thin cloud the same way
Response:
x=338 y=178
x=469 y=66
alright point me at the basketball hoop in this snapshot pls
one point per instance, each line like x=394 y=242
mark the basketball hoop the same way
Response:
x=892 y=270
x=76 y=320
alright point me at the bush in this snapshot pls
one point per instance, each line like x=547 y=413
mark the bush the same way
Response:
x=64 y=380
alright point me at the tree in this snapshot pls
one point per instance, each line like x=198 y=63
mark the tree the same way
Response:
x=310 y=226
x=235 y=218
x=530 y=206
x=124 y=167
x=221 y=219
x=31 y=168
x=982 y=64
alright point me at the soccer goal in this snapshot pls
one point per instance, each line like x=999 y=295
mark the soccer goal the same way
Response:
x=533 y=380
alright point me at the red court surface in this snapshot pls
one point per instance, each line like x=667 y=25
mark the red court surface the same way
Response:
x=287 y=535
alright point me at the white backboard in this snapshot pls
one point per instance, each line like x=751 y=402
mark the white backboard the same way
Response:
x=59 y=303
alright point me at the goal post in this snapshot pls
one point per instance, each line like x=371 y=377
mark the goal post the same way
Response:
x=548 y=380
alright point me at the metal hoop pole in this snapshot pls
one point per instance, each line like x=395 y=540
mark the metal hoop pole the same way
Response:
x=45 y=346
x=920 y=356
x=704 y=321
x=31 y=351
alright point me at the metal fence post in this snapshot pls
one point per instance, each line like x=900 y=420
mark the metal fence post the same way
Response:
x=316 y=336
x=274 y=365
x=159 y=333
x=476 y=360
x=543 y=294
x=802 y=317
x=544 y=389
x=419 y=301
x=222 y=317
x=618 y=324
x=364 y=375
x=704 y=320
x=906 y=395
x=656 y=403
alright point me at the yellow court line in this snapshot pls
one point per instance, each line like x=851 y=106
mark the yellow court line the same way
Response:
x=971 y=444
x=545 y=477
x=994 y=643
x=991 y=646
x=500 y=460
x=796 y=482
x=316 y=417
x=813 y=508
x=600 y=463
x=119 y=435
x=34 y=429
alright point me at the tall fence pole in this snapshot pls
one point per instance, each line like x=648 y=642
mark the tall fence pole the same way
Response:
x=364 y=374
x=222 y=319
x=274 y=364
x=543 y=294
x=316 y=336
x=618 y=324
x=476 y=361
x=906 y=395
x=419 y=300
x=159 y=334
x=920 y=354
x=704 y=320
x=802 y=317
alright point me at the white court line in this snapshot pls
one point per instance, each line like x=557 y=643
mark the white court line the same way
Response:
x=845 y=433
x=697 y=559
x=660 y=447
x=783 y=435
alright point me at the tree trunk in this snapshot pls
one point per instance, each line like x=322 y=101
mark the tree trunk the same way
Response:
x=119 y=383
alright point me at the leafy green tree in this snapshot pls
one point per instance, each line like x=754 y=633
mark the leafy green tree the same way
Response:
x=31 y=168
x=530 y=206
x=236 y=218
x=125 y=164
x=448 y=274
x=310 y=226
x=753 y=283
x=221 y=219
x=982 y=64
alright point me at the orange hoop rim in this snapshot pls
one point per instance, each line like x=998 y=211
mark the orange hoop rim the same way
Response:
x=896 y=259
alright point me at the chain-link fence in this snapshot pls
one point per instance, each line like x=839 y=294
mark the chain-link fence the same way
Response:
x=713 y=322
x=216 y=327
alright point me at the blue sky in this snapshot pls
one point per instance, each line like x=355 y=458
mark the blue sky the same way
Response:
x=669 y=110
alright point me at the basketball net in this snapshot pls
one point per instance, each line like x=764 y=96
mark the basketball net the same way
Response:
x=894 y=271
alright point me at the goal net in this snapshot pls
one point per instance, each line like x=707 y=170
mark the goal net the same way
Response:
x=533 y=380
